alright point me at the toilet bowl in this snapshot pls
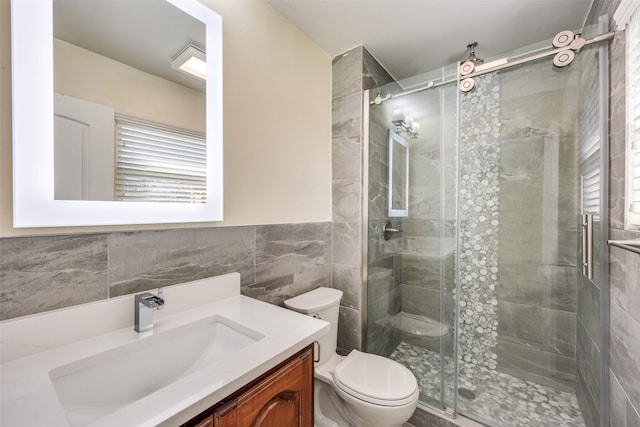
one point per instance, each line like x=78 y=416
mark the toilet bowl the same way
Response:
x=361 y=389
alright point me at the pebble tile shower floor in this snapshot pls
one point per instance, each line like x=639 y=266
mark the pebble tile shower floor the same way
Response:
x=503 y=399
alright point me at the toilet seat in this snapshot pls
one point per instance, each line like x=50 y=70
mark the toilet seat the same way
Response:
x=375 y=379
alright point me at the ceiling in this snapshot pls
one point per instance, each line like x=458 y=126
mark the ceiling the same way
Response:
x=410 y=37
x=131 y=32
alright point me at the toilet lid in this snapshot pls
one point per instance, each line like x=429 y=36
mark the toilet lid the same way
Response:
x=375 y=379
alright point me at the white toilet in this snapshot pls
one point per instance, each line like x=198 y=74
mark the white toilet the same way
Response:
x=361 y=389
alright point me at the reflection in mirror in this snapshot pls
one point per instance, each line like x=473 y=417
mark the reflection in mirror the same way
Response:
x=113 y=69
x=398 y=176
x=138 y=104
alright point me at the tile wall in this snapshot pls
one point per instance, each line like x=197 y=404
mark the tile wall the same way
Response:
x=353 y=72
x=535 y=291
x=429 y=230
x=275 y=262
x=624 y=266
x=385 y=271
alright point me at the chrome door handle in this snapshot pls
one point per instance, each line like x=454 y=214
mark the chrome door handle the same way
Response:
x=587 y=246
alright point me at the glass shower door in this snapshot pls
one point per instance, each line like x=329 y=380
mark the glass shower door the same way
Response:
x=411 y=275
x=519 y=205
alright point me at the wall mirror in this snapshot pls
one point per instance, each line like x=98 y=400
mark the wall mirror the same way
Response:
x=398 y=176
x=106 y=128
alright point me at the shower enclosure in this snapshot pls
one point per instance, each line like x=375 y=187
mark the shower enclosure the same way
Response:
x=478 y=286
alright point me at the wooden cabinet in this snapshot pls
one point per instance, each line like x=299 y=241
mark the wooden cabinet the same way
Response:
x=283 y=397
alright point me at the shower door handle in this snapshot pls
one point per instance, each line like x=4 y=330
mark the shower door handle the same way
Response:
x=587 y=246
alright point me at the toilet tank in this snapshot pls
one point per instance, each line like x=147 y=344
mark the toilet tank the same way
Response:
x=322 y=303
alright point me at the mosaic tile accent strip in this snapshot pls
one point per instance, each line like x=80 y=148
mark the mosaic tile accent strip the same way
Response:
x=496 y=397
x=479 y=200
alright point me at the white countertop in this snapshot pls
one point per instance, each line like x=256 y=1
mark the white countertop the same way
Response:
x=34 y=345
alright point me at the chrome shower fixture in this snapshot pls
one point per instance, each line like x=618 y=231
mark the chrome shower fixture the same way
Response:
x=403 y=122
x=468 y=66
x=570 y=43
x=472 y=54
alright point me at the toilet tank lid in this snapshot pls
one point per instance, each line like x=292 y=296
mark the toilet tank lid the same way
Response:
x=315 y=300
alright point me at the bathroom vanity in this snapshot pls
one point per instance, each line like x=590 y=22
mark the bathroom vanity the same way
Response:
x=213 y=358
x=281 y=397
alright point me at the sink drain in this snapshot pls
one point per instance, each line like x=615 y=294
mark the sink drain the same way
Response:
x=466 y=394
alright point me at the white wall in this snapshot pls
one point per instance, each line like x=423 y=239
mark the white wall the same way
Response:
x=277 y=107
x=85 y=75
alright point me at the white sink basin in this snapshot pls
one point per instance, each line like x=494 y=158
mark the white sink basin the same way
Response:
x=93 y=387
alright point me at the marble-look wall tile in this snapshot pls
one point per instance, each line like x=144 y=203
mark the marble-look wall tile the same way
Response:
x=617 y=271
x=273 y=291
x=421 y=271
x=139 y=261
x=589 y=307
x=617 y=403
x=373 y=73
x=276 y=290
x=379 y=121
x=380 y=280
x=539 y=366
x=44 y=273
x=588 y=358
x=617 y=191
x=617 y=97
x=346 y=205
x=590 y=414
x=346 y=128
x=353 y=72
x=376 y=243
x=624 y=265
x=291 y=259
x=385 y=271
x=349 y=280
x=632 y=416
x=633 y=286
x=347 y=72
x=346 y=244
x=291 y=249
x=625 y=351
x=537 y=327
x=349 y=332
x=421 y=301
x=542 y=285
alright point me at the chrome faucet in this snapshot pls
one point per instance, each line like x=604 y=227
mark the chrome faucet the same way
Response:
x=144 y=305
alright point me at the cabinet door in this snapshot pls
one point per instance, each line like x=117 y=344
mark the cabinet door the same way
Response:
x=207 y=422
x=283 y=399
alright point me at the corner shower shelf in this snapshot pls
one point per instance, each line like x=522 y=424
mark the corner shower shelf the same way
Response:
x=632 y=245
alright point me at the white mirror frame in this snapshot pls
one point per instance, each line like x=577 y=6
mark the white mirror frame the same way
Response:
x=33 y=175
x=394 y=138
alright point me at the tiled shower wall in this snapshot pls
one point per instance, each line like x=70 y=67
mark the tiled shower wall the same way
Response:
x=624 y=266
x=429 y=230
x=538 y=207
x=518 y=207
x=275 y=262
x=353 y=72
x=384 y=256
x=479 y=221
